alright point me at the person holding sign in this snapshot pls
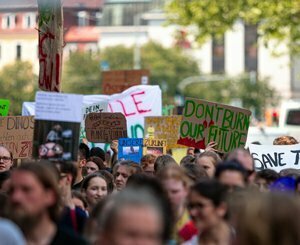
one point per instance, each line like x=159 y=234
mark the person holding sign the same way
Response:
x=6 y=159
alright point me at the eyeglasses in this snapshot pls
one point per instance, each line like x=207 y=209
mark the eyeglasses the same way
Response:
x=5 y=159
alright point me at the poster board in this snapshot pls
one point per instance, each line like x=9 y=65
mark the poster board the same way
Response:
x=4 y=107
x=16 y=134
x=205 y=121
x=130 y=149
x=276 y=157
x=165 y=127
x=105 y=127
x=117 y=81
x=155 y=146
x=57 y=125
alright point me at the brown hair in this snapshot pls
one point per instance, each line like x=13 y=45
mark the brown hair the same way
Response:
x=214 y=156
x=174 y=172
x=285 y=140
x=98 y=161
x=148 y=159
x=132 y=167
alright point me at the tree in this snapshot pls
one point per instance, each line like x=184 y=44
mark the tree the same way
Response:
x=252 y=94
x=19 y=85
x=168 y=66
x=81 y=74
x=277 y=20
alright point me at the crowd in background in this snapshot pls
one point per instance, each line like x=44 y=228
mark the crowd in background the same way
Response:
x=206 y=198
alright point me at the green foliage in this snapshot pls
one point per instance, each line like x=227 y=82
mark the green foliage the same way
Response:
x=81 y=74
x=19 y=85
x=276 y=19
x=256 y=95
x=167 y=66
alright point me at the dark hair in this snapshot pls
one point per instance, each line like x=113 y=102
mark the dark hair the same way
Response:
x=3 y=177
x=84 y=151
x=290 y=172
x=67 y=168
x=46 y=173
x=98 y=152
x=232 y=165
x=78 y=195
x=163 y=161
x=194 y=172
x=109 y=180
x=212 y=190
x=267 y=174
x=87 y=179
x=133 y=167
x=187 y=160
x=98 y=161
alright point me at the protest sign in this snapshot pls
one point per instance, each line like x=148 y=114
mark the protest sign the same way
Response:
x=165 y=127
x=117 y=81
x=130 y=149
x=57 y=126
x=105 y=127
x=16 y=134
x=276 y=157
x=205 y=121
x=155 y=146
x=4 y=107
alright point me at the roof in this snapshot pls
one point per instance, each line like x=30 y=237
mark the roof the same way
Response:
x=85 y=34
x=32 y=4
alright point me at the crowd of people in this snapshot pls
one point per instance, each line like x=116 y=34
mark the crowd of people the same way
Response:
x=206 y=198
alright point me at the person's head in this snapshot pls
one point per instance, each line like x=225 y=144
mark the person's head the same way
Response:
x=163 y=161
x=97 y=152
x=176 y=184
x=285 y=140
x=67 y=175
x=206 y=204
x=245 y=159
x=34 y=194
x=187 y=160
x=267 y=218
x=94 y=164
x=6 y=159
x=194 y=172
x=190 y=151
x=147 y=163
x=109 y=180
x=123 y=170
x=83 y=155
x=232 y=174
x=209 y=161
x=133 y=216
x=79 y=200
x=290 y=172
x=94 y=187
x=265 y=178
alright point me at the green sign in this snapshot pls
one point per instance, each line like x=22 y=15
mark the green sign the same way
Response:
x=205 y=121
x=4 y=107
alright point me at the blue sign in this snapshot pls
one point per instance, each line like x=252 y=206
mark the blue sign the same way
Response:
x=130 y=149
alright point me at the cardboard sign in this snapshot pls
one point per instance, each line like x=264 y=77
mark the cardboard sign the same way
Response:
x=57 y=126
x=105 y=127
x=17 y=135
x=130 y=149
x=155 y=146
x=276 y=157
x=205 y=121
x=4 y=107
x=117 y=81
x=165 y=127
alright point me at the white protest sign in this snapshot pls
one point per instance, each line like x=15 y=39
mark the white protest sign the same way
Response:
x=276 y=157
x=58 y=107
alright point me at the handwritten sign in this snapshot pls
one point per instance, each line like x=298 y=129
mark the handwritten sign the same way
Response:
x=4 y=107
x=105 y=127
x=130 y=149
x=16 y=134
x=165 y=127
x=205 y=121
x=117 y=81
x=276 y=157
x=155 y=146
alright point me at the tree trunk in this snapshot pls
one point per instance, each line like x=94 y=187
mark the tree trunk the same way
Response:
x=50 y=44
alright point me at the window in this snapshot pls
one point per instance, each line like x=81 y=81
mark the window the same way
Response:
x=29 y=20
x=293 y=117
x=250 y=48
x=83 y=18
x=8 y=21
x=19 y=52
x=218 y=55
